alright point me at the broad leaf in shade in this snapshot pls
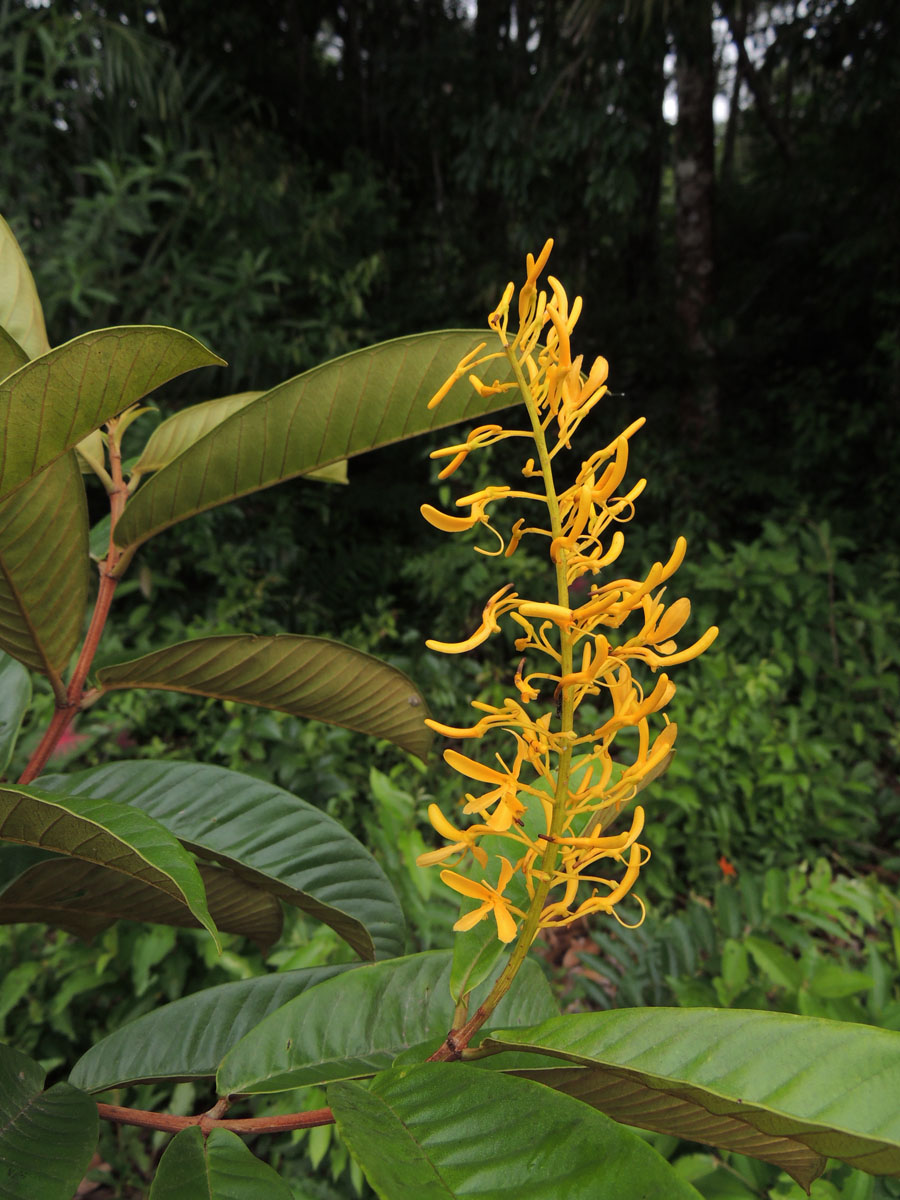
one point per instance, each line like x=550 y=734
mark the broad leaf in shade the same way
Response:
x=15 y=697
x=217 y=1167
x=12 y=356
x=46 y=1138
x=85 y=899
x=366 y=399
x=44 y=573
x=111 y=835
x=21 y=314
x=790 y=1090
x=51 y=403
x=265 y=835
x=442 y=1130
x=179 y=432
x=305 y=676
x=357 y=1025
x=188 y=1038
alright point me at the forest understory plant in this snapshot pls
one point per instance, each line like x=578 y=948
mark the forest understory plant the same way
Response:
x=391 y=1036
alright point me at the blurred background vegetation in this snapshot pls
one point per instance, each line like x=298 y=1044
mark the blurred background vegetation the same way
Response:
x=292 y=179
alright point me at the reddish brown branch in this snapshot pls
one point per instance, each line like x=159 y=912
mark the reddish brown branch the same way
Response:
x=170 y=1124
x=66 y=712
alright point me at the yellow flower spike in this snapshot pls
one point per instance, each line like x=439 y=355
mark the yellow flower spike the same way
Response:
x=492 y=901
x=574 y=812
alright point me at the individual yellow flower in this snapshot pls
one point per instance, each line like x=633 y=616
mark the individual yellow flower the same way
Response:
x=492 y=901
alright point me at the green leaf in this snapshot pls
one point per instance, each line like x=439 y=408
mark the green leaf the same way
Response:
x=776 y=963
x=305 y=676
x=84 y=899
x=830 y=981
x=12 y=356
x=441 y=1130
x=188 y=1038
x=46 y=1138
x=44 y=568
x=179 y=432
x=15 y=697
x=55 y=401
x=366 y=399
x=21 y=314
x=111 y=835
x=790 y=1090
x=218 y=1167
x=357 y=1025
x=265 y=835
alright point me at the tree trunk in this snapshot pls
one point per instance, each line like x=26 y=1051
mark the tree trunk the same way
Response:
x=694 y=185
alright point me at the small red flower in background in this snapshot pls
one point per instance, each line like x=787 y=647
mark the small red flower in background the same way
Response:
x=727 y=868
x=69 y=742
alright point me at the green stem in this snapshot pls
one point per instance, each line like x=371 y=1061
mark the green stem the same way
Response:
x=458 y=1039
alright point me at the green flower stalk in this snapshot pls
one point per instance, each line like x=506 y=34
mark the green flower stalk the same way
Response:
x=543 y=812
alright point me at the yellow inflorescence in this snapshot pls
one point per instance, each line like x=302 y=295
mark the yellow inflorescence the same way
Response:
x=550 y=807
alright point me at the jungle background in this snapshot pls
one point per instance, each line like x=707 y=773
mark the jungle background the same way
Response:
x=288 y=180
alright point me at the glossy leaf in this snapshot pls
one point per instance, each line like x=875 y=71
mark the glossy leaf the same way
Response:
x=218 y=1167
x=12 y=356
x=265 y=835
x=305 y=676
x=188 y=1038
x=111 y=835
x=44 y=568
x=49 y=405
x=357 y=1025
x=84 y=899
x=46 y=1138
x=15 y=697
x=442 y=1130
x=790 y=1090
x=366 y=399
x=21 y=314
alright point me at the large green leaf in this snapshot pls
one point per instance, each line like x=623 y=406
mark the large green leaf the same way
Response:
x=12 y=356
x=357 y=1025
x=84 y=899
x=179 y=432
x=305 y=676
x=111 y=835
x=21 y=314
x=44 y=567
x=188 y=1038
x=791 y=1090
x=218 y=1167
x=265 y=835
x=46 y=1138
x=15 y=697
x=442 y=1130
x=51 y=403
x=366 y=399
